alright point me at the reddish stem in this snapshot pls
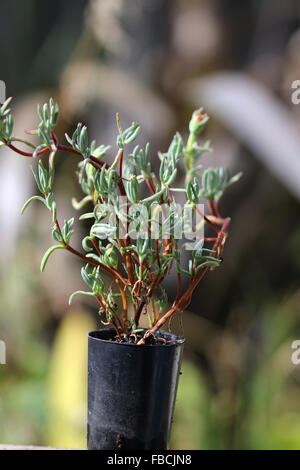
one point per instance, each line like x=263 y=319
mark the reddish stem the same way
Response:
x=150 y=185
x=217 y=207
x=27 y=154
x=212 y=207
x=207 y=220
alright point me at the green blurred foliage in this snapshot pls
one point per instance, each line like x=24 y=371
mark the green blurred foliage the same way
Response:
x=263 y=410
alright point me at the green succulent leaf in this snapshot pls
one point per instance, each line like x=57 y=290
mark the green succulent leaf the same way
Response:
x=102 y=231
x=86 y=277
x=100 y=151
x=94 y=257
x=56 y=234
x=133 y=190
x=48 y=114
x=129 y=135
x=67 y=230
x=101 y=181
x=43 y=178
x=33 y=198
x=38 y=149
x=193 y=191
x=208 y=264
x=215 y=181
x=79 y=140
x=87 y=215
x=141 y=159
x=175 y=151
x=111 y=257
x=80 y=292
x=3 y=107
x=48 y=253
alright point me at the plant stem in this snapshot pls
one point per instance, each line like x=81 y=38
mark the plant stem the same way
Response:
x=212 y=207
x=26 y=154
x=124 y=302
x=180 y=305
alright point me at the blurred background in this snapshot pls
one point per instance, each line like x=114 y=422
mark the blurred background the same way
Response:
x=155 y=62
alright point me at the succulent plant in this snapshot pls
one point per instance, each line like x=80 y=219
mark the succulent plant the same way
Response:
x=133 y=240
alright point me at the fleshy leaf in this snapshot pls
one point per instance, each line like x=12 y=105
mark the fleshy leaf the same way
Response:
x=48 y=253
x=38 y=198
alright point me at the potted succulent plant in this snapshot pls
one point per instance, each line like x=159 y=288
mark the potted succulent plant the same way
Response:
x=134 y=242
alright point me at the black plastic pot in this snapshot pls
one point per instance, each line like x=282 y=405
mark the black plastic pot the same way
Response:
x=131 y=392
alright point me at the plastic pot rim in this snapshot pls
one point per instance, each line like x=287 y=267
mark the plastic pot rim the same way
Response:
x=178 y=340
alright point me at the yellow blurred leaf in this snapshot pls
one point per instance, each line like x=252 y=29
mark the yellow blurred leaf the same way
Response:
x=67 y=391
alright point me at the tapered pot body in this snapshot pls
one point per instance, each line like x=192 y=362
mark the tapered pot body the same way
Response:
x=131 y=391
